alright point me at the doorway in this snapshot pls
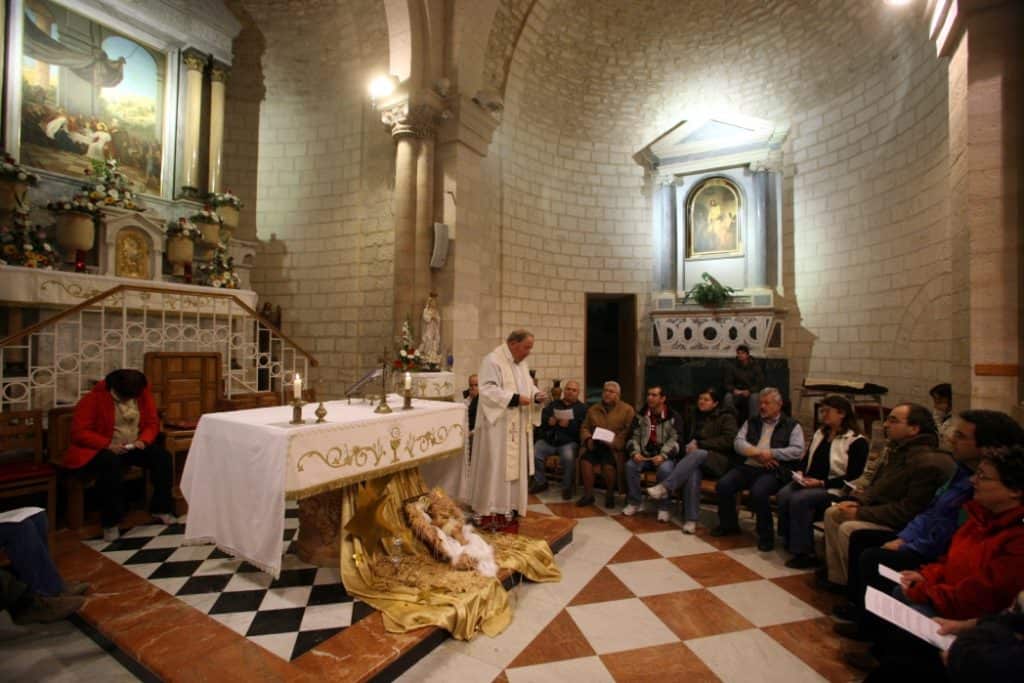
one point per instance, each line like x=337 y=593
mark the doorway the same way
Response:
x=610 y=344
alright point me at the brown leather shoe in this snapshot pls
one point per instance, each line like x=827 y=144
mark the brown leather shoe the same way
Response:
x=44 y=610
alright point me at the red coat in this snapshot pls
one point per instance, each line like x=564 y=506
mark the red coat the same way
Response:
x=92 y=425
x=984 y=569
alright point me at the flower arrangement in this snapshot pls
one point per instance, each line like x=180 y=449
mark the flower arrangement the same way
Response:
x=205 y=215
x=110 y=186
x=24 y=244
x=79 y=203
x=710 y=292
x=409 y=357
x=226 y=198
x=183 y=227
x=220 y=271
x=11 y=171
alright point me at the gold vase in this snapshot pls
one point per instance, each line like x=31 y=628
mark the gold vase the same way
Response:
x=210 y=233
x=75 y=231
x=180 y=250
x=12 y=194
x=229 y=215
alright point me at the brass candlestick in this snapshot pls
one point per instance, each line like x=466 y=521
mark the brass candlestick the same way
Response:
x=320 y=412
x=383 y=406
x=407 y=405
x=297 y=412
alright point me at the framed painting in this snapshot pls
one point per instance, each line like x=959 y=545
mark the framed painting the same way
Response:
x=90 y=92
x=714 y=220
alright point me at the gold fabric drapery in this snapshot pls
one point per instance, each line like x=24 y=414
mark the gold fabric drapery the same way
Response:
x=418 y=590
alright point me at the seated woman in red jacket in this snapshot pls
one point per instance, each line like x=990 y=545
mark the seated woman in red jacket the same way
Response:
x=984 y=568
x=115 y=425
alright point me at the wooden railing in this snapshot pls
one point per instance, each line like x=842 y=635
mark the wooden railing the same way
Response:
x=55 y=361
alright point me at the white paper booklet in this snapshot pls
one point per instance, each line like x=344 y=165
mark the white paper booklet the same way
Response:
x=18 y=514
x=605 y=435
x=906 y=617
x=563 y=414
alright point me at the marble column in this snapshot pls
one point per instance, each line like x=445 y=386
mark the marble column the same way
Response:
x=218 y=82
x=424 y=217
x=757 y=235
x=194 y=65
x=665 y=255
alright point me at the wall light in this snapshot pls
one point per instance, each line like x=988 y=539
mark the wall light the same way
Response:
x=898 y=3
x=382 y=86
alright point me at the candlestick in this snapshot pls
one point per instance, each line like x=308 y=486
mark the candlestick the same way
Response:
x=297 y=387
x=321 y=412
x=297 y=412
x=383 y=406
x=407 y=403
x=408 y=381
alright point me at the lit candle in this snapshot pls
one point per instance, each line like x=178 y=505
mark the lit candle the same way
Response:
x=408 y=381
x=297 y=387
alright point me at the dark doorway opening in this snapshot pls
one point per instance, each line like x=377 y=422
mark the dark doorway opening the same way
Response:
x=610 y=344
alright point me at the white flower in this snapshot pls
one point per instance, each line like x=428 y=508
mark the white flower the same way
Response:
x=402 y=353
x=22 y=176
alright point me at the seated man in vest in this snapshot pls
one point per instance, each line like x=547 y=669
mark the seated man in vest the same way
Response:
x=113 y=426
x=654 y=446
x=904 y=485
x=559 y=435
x=772 y=444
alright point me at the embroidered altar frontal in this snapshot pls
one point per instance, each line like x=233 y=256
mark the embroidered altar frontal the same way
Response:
x=328 y=456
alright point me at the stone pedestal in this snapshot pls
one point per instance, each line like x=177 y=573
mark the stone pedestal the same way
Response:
x=319 y=539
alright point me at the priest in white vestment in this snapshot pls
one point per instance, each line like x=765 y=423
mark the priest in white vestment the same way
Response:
x=509 y=408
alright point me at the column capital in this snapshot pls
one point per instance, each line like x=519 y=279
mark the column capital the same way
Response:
x=219 y=73
x=194 y=60
x=405 y=118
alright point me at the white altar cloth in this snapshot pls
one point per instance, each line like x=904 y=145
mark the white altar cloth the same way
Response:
x=243 y=464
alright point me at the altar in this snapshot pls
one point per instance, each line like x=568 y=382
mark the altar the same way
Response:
x=243 y=465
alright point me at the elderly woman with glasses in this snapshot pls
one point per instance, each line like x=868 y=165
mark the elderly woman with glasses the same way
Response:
x=984 y=568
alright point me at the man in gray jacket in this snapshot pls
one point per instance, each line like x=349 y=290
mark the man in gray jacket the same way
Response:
x=654 y=446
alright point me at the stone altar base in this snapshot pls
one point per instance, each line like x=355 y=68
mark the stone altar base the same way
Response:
x=152 y=632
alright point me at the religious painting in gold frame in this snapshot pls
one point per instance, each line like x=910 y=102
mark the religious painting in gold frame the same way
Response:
x=714 y=220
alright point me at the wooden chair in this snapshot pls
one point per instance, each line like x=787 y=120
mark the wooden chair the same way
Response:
x=184 y=386
x=21 y=438
x=58 y=438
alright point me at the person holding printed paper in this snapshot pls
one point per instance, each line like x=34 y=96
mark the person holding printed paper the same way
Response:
x=838 y=452
x=654 y=446
x=559 y=433
x=984 y=568
x=603 y=437
x=509 y=409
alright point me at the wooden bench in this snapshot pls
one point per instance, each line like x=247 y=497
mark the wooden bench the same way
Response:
x=74 y=481
x=26 y=472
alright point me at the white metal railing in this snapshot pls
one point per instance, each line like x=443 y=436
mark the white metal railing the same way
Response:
x=57 y=360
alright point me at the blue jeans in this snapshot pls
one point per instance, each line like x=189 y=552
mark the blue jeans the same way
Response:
x=633 y=470
x=26 y=545
x=566 y=453
x=799 y=507
x=686 y=473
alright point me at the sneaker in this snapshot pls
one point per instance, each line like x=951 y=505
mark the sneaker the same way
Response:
x=111 y=534
x=630 y=510
x=609 y=499
x=663 y=516
x=74 y=588
x=846 y=612
x=165 y=518
x=766 y=545
x=585 y=501
x=657 y=492
x=690 y=528
x=44 y=610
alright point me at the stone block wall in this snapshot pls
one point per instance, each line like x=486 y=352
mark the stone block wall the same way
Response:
x=865 y=230
x=316 y=167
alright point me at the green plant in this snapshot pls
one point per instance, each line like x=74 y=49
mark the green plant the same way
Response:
x=710 y=292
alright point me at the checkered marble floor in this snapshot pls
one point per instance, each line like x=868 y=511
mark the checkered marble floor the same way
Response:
x=287 y=616
x=640 y=600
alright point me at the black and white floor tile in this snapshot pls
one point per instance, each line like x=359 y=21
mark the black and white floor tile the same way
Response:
x=287 y=616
